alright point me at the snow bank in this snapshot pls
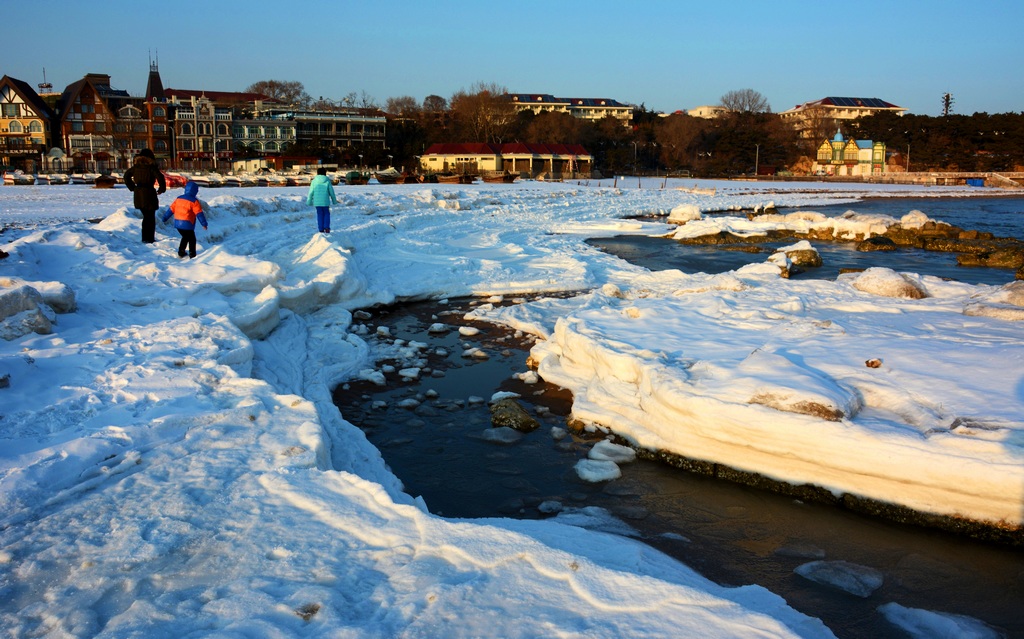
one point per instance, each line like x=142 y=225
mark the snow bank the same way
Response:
x=172 y=462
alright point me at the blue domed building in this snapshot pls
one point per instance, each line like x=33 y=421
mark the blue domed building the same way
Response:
x=842 y=157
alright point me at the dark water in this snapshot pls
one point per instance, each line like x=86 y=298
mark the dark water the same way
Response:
x=732 y=534
x=1002 y=216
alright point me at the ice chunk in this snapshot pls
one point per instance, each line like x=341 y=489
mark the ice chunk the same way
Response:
x=501 y=435
x=608 y=451
x=926 y=624
x=842 y=575
x=594 y=470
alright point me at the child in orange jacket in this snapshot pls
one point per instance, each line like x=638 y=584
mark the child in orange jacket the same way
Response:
x=186 y=210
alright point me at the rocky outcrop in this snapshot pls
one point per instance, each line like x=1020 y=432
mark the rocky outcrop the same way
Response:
x=973 y=248
x=876 y=243
x=508 y=413
x=1006 y=257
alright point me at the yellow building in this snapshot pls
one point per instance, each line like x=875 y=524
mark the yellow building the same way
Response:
x=842 y=157
x=26 y=127
x=547 y=161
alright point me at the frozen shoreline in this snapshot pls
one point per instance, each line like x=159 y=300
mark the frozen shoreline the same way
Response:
x=174 y=462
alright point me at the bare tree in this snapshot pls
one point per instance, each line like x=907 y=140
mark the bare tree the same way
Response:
x=677 y=135
x=485 y=115
x=746 y=101
x=367 y=101
x=553 y=128
x=816 y=125
x=404 y=106
x=289 y=92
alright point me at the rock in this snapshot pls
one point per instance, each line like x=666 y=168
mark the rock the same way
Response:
x=802 y=254
x=23 y=311
x=786 y=404
x=873 y=363
x=1006 y=258
x=887 y=282
x=876 y=243
x=508 y=413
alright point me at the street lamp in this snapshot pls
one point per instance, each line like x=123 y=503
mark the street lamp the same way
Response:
x=360 y=160
x=908 y=158
x=757 y=157
x=634 y=159
x=389 y=160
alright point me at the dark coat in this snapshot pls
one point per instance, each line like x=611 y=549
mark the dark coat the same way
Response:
x=140 y=180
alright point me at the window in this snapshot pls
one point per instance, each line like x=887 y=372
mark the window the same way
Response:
x=159 y=112
x=100 y=127
x=10 y=110
x=222 y=129
x=139 y=128
x=35 y=127
x=77 y=126
x=159 y=146
x=186 y=145
x=159 y=128
x=186 y=129
x=16 y=127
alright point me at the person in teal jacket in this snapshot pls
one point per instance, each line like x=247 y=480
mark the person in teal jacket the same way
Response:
x=321 y=195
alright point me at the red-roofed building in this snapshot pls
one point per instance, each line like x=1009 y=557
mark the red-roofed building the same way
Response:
x=548 y=161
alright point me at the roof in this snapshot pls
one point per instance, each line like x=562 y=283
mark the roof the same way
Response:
x=547 y=98
x=216 y=96
x=154 y=85
x=530 y=148
x=856 y=103
x=100 y=82
x=29 y=95
x=511 y=148
x=466 y=148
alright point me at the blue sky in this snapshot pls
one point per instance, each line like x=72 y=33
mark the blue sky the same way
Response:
x=667 y=55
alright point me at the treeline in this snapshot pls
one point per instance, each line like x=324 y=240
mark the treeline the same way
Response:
x=744 y=140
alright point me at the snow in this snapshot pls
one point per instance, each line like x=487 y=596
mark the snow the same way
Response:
x=928 y=624
x=172 y=462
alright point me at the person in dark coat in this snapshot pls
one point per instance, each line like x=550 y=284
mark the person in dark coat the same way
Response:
x=140 y=180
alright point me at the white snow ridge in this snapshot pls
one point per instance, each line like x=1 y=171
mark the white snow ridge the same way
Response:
x=172 y=463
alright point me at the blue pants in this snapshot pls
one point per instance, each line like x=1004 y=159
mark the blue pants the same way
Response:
x=323 y=218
